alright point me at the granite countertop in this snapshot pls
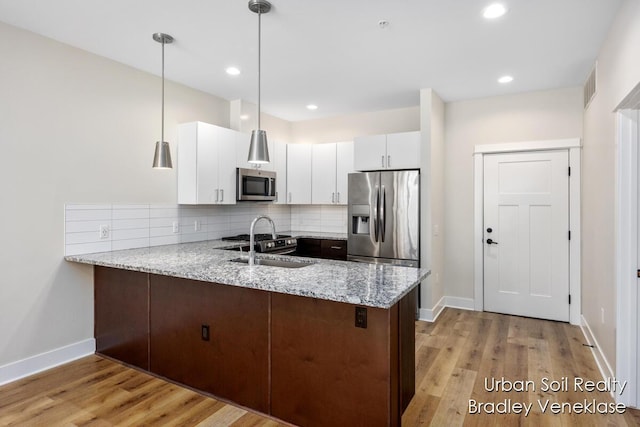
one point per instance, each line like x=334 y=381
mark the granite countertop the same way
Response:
x=372 y=285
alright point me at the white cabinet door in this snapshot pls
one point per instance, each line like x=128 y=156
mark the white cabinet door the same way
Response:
x=206 y=164
x=323 y=174
x=344 y=166
x=370 y=152
x=226 y=144
x=242 y=150
x=279 y=161
x=299 y=174
x=403 y=150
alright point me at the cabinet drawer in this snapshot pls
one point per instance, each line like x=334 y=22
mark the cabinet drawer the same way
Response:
x=308 y=247
x=334 y=249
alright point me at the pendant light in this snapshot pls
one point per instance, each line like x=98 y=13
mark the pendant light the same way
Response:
x=162 y=156
x=258 y=150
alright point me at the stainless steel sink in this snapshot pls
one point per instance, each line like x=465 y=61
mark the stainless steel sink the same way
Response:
x=274 y=262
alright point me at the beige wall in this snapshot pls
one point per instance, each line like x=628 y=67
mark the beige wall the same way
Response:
x=74 y=127
x=432 y=196
x=345 y=128
x=618 y=73
x=277 y=129
x=531 y=116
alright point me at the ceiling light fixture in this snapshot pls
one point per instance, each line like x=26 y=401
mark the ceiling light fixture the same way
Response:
x=494 y=11
x=312 y=107
x=258 y=150
x=162 y=155
x=505 y=79
x=232 y=71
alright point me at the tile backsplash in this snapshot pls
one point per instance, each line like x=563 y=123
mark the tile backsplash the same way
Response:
x=105 y=227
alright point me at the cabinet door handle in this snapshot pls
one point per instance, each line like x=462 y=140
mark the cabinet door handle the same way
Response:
x=338 y=201
x=336 y=247
x=382 y=161
x=388 y=161
x=217 y=195
x=221 y=195
x=333 y=197
x=289 y=196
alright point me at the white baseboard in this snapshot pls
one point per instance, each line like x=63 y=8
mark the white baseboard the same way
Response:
x=598 y=355
x=41 y=362
x=431 y=314
x=461 y=303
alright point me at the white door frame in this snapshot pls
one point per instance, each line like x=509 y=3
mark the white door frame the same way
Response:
x=627 y=164
x=573 y=146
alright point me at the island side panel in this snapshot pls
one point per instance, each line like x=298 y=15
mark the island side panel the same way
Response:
x=121 y=310
x=326 y=371
x=234 y=362
x=407 y=332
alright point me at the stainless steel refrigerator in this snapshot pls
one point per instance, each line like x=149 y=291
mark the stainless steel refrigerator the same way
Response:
x=384 y=217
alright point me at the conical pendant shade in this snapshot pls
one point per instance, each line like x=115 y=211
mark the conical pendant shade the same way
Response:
x=162 y=156
x=259 y=149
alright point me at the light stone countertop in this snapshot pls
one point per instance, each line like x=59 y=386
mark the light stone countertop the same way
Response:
x=372 y=285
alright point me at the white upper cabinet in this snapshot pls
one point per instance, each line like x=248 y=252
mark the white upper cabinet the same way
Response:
x=331 y=164
x=344 y=166
x=206 y=164
x=370 y=152
x=298 y=174
x=323 y=174
x=279 y=161
x=391 y=151
x=403 y=150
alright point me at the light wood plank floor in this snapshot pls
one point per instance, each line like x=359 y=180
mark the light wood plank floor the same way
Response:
x=453 y=357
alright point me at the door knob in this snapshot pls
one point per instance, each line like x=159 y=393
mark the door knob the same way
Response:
x=491 y=242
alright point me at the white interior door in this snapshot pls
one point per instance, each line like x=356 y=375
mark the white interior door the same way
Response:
x=526 y=234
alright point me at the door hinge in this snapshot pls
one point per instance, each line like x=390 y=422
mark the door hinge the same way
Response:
x=569 y=298
x=569 y=170
x=569 y=234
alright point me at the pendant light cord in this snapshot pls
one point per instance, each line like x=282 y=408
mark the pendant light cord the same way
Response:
x=162 y=131
x=259 y=59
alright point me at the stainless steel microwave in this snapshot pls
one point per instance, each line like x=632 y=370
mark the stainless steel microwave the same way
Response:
x=256 y=184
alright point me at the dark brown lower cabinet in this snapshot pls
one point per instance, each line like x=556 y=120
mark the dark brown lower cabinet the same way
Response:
x=231 y=359
x=326 y=371
x=299 y=359
x=121 y=314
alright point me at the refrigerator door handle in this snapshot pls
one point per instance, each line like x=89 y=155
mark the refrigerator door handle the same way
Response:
x=376 y=206
x=383 y=218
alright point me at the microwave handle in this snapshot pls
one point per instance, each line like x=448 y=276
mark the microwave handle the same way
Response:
x=270 y=186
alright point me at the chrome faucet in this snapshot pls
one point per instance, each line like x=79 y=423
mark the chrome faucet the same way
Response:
x=252 y=239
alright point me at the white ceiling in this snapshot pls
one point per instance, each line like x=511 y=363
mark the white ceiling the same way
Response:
x=332 y=52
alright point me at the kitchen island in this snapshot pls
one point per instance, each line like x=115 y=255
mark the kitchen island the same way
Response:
x=331 y=343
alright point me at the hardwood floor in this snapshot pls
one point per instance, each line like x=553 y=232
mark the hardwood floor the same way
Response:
x=454 y=355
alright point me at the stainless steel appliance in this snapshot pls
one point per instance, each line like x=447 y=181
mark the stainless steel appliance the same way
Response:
x=255 y=185
x=384 y=217
x=280 y=246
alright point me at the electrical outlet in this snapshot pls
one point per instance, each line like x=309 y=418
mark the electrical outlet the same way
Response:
x=205 y=333
x=196 y=225
x=361 y=317
x=176 y=227
x=436 y=230
x=104 y=231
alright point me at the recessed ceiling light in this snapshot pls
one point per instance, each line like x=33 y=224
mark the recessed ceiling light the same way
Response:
x=312 y=107
x=505 y=79
x=233 y=71
x=494 y=10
